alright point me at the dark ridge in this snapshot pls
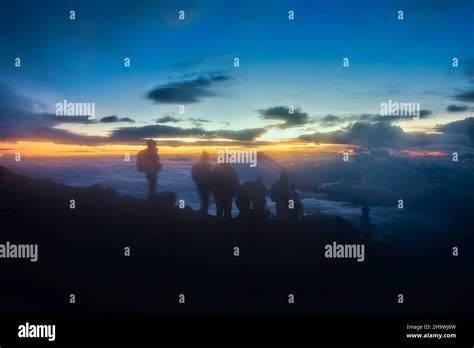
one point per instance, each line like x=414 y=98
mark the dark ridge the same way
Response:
x=176 y=251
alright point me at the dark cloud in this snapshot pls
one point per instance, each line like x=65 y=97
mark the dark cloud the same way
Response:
x=167 y=119
x=424 y=113
x=114 y=119
x=457 y=108
x=154 y=131
x=17 y=114
x=18 y=123
x=8 y=98
x=282 y=113
x=138 y=134
x=60 y=136
x=198 y=121
x=330 y=121
x=187 y=91
x=69 y=119
x=109 y=119
x=465 y=96
x=462 y=127
x=380 y=134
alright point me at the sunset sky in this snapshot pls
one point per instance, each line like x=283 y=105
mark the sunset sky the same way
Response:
x=191 y=62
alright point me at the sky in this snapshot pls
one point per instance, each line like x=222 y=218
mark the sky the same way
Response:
x=283 y=64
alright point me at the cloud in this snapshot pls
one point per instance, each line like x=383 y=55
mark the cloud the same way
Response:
x=187 y=91
x=462 y=127
x=330 y=121
x=465 y=96
x=8 y=98
x=154 y=131
x=282 y=113
x=198 y=121
x=17 y=114
x=381 y=134
x=114 y=119
x=69 y=119
x=424 y=113
x=60 y=136
x=138 y=134
x=18 y=123
x=167 y=119
x=127 y=119
x=457 y=108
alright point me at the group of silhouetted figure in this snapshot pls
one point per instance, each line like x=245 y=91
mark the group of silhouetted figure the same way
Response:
x=250 y=197
x=222 y=181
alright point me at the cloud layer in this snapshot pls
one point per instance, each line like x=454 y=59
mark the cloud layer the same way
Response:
x=383 y=134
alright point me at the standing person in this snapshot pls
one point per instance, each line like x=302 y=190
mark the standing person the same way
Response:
x=279 y=193
x=297 y=212
x=202 y=177
x=244 y=199
x=260 y=194
x=225 y=185
x=148 y=162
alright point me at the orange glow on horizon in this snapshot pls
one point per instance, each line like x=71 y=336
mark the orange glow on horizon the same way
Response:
x=49 y=149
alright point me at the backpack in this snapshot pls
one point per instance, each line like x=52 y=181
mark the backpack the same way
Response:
x=144 y=165
x=141 y=161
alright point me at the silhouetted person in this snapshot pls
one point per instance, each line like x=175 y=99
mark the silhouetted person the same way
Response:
x=148 y=162
x=244 y=198
x=365 y=225
x=297 y=212
x=279 y=193
x=225 y=185
x=252 y=195
x=260 y=200
x=202 y=177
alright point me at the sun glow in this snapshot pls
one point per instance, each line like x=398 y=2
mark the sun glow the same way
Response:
x=50 y=149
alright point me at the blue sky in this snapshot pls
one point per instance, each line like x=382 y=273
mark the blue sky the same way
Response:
x=282 y=62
